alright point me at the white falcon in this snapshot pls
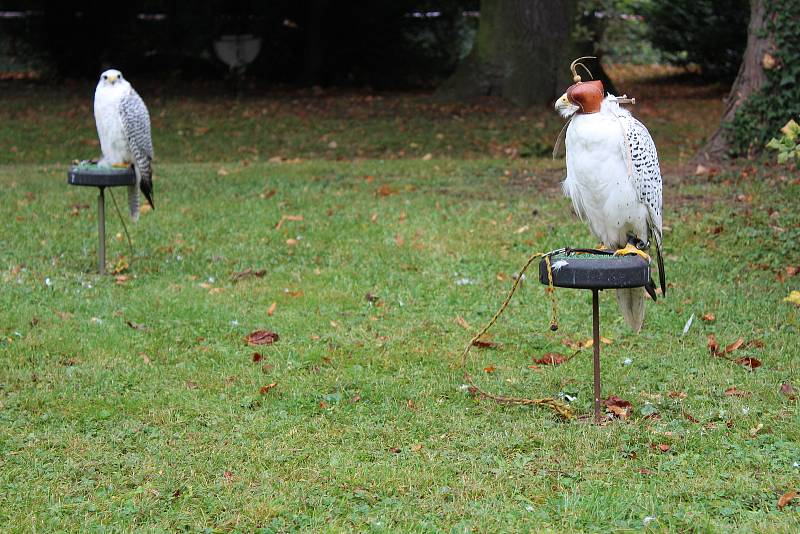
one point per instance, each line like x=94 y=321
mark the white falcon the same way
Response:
x=614 y=181
x=123 y=125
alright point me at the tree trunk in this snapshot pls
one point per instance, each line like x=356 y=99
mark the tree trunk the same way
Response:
x=751 y=78
x=522 y=52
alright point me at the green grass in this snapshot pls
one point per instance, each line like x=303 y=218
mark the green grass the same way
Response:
x=369 y=428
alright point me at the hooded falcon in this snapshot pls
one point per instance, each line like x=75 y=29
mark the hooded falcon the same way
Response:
x=614 y=181
x=123 y=126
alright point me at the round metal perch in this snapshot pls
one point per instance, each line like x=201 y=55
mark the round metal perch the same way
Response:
x=92 y=175
x=595 y=271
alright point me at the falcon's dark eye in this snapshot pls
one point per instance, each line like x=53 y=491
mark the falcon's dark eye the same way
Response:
x=105 y=77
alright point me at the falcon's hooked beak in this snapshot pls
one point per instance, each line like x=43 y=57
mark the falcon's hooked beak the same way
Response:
x=112 y=78
x=564 y=107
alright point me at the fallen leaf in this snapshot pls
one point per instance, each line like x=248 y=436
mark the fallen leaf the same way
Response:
x=371 y=298
x=121 y=265
x=645 y=471
x=135 y=326
x=786 y=498
x=385 y=191
x=733 y=392
x=752 y=363
x=489 y=369
x=788 y=390
x=663 y=447
x=228 y=475
x=395 y=450
x=145 y=358
x=291 y=242
x=272 y=308
x=64 y=316
x=793 y=298
x=247 y=273
x=713 y=346
x=257 y=357
x=398 y=240
x=323 y=405
x=121 y=279
x=261 y=337
x=284 y=218
x=356 y=397
x=676 y=395
x=522 y=229
x=416 y=447
x=756 y=430
x=700 y=170
x=222 y=171
x=410 y=404
x=485 y=344
x=551 y=358
x=735 y=345
x=690 y=417
x=191 y=385
x=265 y=389
x=617 y=406
x=708 y=317
x=463 y=323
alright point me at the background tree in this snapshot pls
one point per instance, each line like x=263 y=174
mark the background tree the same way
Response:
x=766 y=92
x=522 y=52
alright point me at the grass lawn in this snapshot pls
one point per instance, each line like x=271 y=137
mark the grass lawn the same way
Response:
x=134 y=401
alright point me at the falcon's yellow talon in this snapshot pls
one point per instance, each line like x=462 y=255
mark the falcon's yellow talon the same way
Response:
x=630 y=249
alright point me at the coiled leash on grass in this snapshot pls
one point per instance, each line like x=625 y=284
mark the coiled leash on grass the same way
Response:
x=563 y=411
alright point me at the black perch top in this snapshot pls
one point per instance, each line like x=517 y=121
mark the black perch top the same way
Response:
x=596 y=271
x=91 y=174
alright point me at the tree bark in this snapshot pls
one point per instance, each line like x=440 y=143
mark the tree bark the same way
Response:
x=522 y=52
x=751 y=78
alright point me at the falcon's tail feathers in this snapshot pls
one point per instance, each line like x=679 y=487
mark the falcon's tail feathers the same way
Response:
x=662 y=277
x=133 y=202
x=147 y=188
x=631 y=304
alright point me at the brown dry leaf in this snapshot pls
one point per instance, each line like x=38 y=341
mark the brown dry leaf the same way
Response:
x=216 y=290
x=645 y=471
x=664 y=447
x=410 y=404
x=689 y=417
x=398 y=240
x=261 y=337
x=191 y=385
x=756 y=429
x=385 y=191
x=145 y=358
x=463 y=323
x=489 y=369
x=755 y=344
x=752 y=363
x=416 y=447
x=713 y=346
x=121 y=265
x=222 y=172
x=247 y=273
x=265 y=389
x=604 y=341
x=284 y=218
x=786 y=498
x=617 y=406
x=788 y=390
x=121 y=279
x=257 y=357
x=708 y=317
x=485 y=344
x=291 y=242
x=356 y=397
x=676 y=395
x=733 y=392
x=551 y=358
x=323 y=405
x=64 y=316
x=394 y=450
x=735 y=345
x=271 y=309
x=228 y=476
